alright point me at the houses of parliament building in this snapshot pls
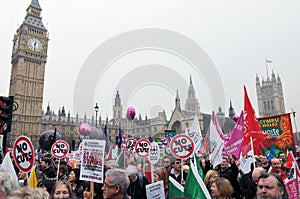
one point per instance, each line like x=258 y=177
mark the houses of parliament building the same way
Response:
x=29 y=58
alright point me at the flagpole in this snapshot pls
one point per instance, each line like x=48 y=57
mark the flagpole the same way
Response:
x=294 y=118
x=267 y=68
x=251 y=142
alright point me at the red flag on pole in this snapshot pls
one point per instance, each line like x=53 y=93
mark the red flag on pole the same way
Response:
x=251 y=129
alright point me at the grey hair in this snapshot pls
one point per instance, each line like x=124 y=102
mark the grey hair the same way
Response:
x=29 y=193
x=118 y=177
x=132 y=170
x=7 y=183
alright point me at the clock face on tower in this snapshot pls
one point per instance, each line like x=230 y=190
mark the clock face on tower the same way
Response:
x=34 y=44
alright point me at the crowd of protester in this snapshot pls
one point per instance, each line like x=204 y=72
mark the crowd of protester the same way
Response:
x=226 y=181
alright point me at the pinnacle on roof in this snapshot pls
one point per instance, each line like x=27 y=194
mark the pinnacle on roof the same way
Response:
x=35 y=4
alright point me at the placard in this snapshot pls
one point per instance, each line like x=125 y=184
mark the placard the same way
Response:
x=130 y=145
x=155 y=190
x=142 y=148
x=92 y=160
x=154 y=153
x=23 y=152
x=60 y=149
x=182 y=146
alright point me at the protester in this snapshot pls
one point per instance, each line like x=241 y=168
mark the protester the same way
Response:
x=112 y=164
x=22 y=178
x=63 y=173
x=281 y=157
x=257 y=172
x=161 y=174
x=271 y=185
x=116 y=184
x=47 y=168
x=176 y=172
x=230 y=173
x=265 y=162
x=98 y=193
x=277 y=168
x=209 y=178
x=76 y=184
x=166 y=162
x=7 y=184
x=62 y=189
x=28 y=193
x=47 y=185
x=138 y=182
x=221 y=188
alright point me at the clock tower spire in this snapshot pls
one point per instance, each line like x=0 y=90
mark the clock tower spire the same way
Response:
x=29 y=57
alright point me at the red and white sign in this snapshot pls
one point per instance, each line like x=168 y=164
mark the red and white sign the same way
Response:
x=60 y=149
x=165 y=142
x=23 y=154
x=130 y=145
x=142 y=148
x=182 y=146
x=125 y=136
x=154 y=153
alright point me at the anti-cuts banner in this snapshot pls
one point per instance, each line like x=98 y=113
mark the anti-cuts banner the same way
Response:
x=92 y=160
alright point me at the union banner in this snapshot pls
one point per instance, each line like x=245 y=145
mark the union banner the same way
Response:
x=280 y=134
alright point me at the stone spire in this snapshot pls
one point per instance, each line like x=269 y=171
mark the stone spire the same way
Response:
x=231 y=111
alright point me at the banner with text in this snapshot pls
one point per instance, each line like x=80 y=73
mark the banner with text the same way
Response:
x=280 y=133
x=92 y=160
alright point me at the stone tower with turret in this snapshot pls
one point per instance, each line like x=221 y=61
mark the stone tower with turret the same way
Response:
x=270 y=96
x=117 y=108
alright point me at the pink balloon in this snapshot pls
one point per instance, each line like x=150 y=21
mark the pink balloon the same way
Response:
x=236 y=118
x=95 y=133
x=85 y=129
x=130 y=113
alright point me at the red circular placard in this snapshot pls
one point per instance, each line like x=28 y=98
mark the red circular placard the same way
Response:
x=60 y=149
x=182 y=146
x=23 y=154
x=142 y=148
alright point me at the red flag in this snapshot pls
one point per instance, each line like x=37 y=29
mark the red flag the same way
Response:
x=251 y=129
x=148 y=172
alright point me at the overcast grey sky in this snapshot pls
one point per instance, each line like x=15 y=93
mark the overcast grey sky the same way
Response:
x=236 y=35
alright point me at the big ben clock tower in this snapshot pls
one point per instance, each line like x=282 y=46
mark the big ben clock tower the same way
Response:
x=29 y=57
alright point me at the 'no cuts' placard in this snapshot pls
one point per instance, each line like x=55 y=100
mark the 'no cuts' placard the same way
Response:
x=142 y=148
x=60 y=149
x=182 y=146
x=130 y=145
x=23 y=154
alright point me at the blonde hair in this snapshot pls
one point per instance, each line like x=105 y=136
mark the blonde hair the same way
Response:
x=209 y=175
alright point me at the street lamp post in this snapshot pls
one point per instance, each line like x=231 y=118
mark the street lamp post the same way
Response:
x=96 y=110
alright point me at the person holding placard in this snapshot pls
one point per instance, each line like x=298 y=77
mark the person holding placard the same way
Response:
x=176 y=172
x=97 y=190
x=47 y=167
x=162 y=174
